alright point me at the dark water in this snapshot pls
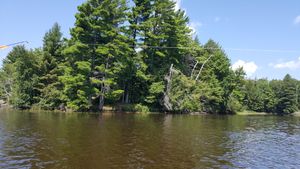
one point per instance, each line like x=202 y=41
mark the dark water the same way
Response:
x=52 y=140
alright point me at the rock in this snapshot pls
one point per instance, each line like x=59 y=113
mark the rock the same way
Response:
x=62 y=107
x=2 y=102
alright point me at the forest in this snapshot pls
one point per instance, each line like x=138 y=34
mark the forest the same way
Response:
x=136 y=56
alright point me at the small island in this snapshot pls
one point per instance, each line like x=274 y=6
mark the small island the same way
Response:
x=149 y=84
x=140 y=58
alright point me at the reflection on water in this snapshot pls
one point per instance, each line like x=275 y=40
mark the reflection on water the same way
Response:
x=53 y=140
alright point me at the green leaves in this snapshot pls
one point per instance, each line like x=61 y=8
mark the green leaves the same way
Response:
x=160 y=54
x=287 y=95
x=114 y=95
x=155 y=91
x=121 y=53
x=96 y=53
x=23 y=87
x=83 y=67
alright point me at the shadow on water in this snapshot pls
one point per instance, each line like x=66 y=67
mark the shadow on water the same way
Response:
x=55 y=140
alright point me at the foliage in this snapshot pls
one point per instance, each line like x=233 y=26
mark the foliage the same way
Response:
x=49 y=85
x=141 y=108
x=120 y=53
x=286 y=93
x=24 y=91
x=259 y=96
x=96 y=55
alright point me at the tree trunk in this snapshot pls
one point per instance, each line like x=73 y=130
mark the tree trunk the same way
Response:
x=101 y=98
x=202 y=67
x=166 y=99
x=103 y=90
x=127 y=97
x=194 y=69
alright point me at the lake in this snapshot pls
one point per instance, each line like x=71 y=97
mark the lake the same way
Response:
x=155 y=141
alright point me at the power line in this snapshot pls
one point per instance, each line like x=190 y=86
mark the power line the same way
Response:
x=232 y=49
x=264 y=50
x=201 y=48
x=190 y=48
x=13 y=44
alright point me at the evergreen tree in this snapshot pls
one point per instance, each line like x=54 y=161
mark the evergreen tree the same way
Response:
x=214 y=68
x=165 y=44
x=233 y=87
x=50 y=86
x=169 y=32
x=287 y=98
x=219 y=64
x=96 y=54
x=140 y=55
x=134 y=78
x=260 y=96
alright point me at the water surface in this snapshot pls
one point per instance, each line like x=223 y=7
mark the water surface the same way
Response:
x=84 y=141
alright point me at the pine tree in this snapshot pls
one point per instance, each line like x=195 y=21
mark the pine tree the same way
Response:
x=134 y=78
x=233 y=87
x=287 y=101
x=260 y=96
x=168 y=34
x=165 y=45
x=219 y=64
x=50 y=86
x=214 y=68
x=96 y=54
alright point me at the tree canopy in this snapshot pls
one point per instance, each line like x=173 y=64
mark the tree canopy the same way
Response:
x=140 y=53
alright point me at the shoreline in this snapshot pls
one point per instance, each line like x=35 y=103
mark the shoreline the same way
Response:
x=111 y=110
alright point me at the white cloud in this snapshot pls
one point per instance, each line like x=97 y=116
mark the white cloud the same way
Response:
x=249 y=67
x=294 y=64
x=297 y=20
x=194 y=26
x=178 y=4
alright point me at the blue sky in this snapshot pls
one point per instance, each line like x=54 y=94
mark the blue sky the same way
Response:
x=266 y=33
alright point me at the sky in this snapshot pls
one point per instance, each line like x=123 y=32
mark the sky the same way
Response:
x=261 y=36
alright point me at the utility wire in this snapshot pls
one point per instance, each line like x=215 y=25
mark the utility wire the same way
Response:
x=201 y=48
x=13 y=44
x=190 y=48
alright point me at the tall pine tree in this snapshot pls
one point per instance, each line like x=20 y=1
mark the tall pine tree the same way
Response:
x=96 y=54
x=50 y=86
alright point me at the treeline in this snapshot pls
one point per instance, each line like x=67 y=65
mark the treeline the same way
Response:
x=276 y=96
x=141 y=56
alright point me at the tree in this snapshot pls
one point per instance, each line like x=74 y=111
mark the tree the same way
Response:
x=49 y=84
x=287 y=98
x=134 y=79
x=7 y=78
x=164 y=44
x=219 y=64
x=217 y=72
x=260 y=96
x=143 y=54
x=233 y=86
x=26 y=64
x=96 y=54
